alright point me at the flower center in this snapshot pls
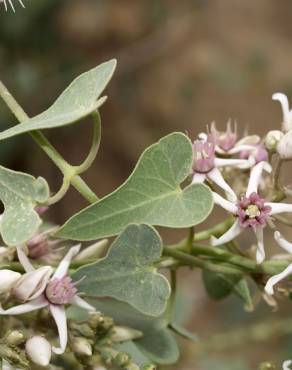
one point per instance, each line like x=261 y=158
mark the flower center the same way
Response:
x=61 y=291
x=252 y=211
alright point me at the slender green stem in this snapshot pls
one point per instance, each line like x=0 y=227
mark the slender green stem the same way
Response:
x=61 y=193
x=171 y=301
x=276 y=174
x=192 y=261
x=224 y=256
x=94 y=145
x=217 y=230
x=47 y=147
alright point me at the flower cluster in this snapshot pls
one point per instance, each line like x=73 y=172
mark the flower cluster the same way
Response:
x=43 y=288
x=216 y=153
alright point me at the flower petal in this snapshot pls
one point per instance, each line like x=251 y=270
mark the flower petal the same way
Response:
x=269 y=288
x=287 y=364
x=282 y=98
x=24 y=260
x=241 y=148
x=198 y=178
x=63 y=267
x=277 y=208
x=222 y=162
x=226 y=204
x=78 y=301
x=283 y=243
x=34 y=305
x=216 y=176
x=32 y=284
x=230 y=234
x=260 y=253
x=255 y=177
x=249 y=140
x=59 y=314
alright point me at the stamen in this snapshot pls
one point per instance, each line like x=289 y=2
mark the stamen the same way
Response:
x=61 y=291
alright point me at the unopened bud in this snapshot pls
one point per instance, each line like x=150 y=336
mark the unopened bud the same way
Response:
x=284 y=147
x=93 y=251
x=81 y=346
x=15 y=338
x=272 y=139
x=122 y=359
x=39 y=350
x=32 y=284
x=122 y=334
x=8 y=278
x=149 y=367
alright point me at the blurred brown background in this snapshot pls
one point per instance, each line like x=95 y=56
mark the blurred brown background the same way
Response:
x=181 y=65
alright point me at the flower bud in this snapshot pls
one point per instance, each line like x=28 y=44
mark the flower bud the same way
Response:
x=272 y=139
x=32 y=284
x=39 y=350
x=81 y=346
x=284 y=147
x=15 y=338
x=122 y=334
x=93 y=251
x=8 y=278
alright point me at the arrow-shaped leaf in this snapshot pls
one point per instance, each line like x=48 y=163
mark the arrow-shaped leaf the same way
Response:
x=77 y=101
x=127 y=272
x=20 y=193
x=151 y=195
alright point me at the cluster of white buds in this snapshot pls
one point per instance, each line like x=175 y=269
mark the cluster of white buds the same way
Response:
x=42 y=288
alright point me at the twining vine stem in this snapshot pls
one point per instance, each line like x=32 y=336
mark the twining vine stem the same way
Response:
x=67 y=170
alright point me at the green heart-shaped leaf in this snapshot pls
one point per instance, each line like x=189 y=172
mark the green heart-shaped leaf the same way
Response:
x=127 y=272
x=79 y=100
x=219 y=286
x=20 y=193
x=151 y=195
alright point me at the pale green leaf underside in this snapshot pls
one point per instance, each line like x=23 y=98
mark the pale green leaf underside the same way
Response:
x=20 y=194
x=79 y=100
x=127 y=272
x=151 y=195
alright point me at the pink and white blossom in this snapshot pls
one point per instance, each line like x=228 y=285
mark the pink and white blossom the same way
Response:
x=207 y=165
x=258 y=154
x=251 y=211
x=227 y=143
x=53 y=292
